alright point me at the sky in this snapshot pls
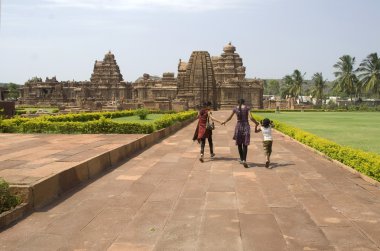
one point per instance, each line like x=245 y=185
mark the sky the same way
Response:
x=63 y=38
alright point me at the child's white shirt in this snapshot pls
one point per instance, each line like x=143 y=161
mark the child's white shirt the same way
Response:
x=267 y=133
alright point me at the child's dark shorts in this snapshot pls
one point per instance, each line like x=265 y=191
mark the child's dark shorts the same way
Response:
x=267 y=144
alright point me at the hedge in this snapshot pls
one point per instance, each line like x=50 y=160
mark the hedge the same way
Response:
x=348 y=109
x=90 y=123
x=7 y=200
x=364 y=162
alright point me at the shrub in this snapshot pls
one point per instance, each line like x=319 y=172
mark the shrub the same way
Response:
x=142 y=113
x=364 y=162
x=7 y=200
x=90 y=123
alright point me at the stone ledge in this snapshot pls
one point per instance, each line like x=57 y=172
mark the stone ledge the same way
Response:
x=9 y=217
x=45 y=191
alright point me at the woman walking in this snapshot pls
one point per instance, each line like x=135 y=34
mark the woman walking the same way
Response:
x=242 y=135
x=204 y=129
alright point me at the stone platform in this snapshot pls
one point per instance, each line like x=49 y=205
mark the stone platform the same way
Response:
x=165 y=199
x=28 y=158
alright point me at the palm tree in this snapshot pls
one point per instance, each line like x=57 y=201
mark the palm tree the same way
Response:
x=319 y=86
x=293 y=84
x=346 y=79
x=369 y=73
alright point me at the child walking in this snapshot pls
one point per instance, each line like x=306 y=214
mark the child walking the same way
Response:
x=266 y=129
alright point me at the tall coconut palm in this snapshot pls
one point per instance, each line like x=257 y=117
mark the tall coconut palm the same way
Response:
x=319 y=86
x=293 y=85
x=346 y=80
x=369 y=73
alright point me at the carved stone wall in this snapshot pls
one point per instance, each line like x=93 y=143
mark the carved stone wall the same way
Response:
x=220 y=80
x=106 y=85
x=227 y=74
x=198 y=84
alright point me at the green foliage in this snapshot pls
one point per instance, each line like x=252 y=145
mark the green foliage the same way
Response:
x=293 y=84
x=170 y=119
x=90 y=123
x=142 y=113
x=346 y=81
x=319 y=86
x=369 y=73
x=7 y=200
x=364 y=162
x=13 y=92
x=273 y=87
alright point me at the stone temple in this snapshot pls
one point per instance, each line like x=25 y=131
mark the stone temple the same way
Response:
x=218 y=79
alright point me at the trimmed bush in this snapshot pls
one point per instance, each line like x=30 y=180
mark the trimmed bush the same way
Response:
x=7 y=200
x=142 y=113
x=87 y=123
x=364 y=162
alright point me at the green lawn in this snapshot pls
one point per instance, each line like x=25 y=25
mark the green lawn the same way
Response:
x=149 y=118
x=359 y=130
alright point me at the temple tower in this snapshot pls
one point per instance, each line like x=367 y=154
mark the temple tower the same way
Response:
x=228 y=65
x=106 y=71
x=198 y=84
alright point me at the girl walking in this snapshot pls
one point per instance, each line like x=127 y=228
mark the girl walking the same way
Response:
x=204 y=129
x=242 y=134
x=266 y=129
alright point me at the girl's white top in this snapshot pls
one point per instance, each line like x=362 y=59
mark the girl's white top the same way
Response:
x=267 y=133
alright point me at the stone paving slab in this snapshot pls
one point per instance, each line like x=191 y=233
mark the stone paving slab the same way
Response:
x=165 y=199
x=45 y=152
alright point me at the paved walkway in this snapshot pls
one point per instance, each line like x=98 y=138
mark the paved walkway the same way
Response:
x=28 y=158
x=165 y=199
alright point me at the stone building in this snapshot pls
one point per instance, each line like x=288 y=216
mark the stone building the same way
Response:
x=106 y=85
x=220 y=80
x=231 y=82
x=155 y=92
x=197 y=84
x=48 y=92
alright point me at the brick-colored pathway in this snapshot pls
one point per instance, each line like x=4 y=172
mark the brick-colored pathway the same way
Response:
x=29 y=158
x=165 y=199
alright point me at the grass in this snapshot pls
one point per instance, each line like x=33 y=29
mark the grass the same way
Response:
x=150 y=118
x=360 y=130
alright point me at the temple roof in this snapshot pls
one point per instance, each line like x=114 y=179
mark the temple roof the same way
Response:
x=229 y=48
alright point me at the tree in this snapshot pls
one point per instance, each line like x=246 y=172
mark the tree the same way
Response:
x=273 y=87
x=346 y=80
x=369 y=74
x=293 y=84
x=319 y=84
x=13 y=92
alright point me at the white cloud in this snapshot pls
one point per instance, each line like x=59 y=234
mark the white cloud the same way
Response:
x=177 y=5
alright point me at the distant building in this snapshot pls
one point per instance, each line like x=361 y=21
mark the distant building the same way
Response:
x=220 y=80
